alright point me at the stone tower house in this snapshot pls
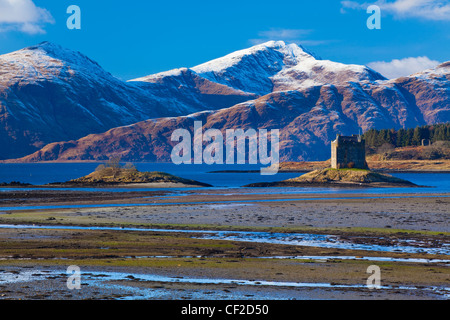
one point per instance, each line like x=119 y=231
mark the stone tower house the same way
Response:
x=348 y=152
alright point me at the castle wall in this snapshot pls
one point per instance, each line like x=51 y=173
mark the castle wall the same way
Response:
x=348 y=152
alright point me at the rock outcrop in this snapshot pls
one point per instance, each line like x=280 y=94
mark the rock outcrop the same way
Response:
x=340 y=178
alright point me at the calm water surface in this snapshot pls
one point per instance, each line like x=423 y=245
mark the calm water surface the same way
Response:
x=43 y=173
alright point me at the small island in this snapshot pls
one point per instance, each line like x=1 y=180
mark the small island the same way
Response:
x=348 y=169
x=340 y=178
x=129 y=176
x=113 y=174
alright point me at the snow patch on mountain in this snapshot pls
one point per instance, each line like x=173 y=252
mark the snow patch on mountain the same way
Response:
x=46 y=61
x=277 y=66
x=48 y=94
x=158 y=76
x=250 y=70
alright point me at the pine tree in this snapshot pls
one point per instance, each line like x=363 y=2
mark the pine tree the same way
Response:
x=439 y=134
x=416 y=139
x=407 y=137
x=401 y=141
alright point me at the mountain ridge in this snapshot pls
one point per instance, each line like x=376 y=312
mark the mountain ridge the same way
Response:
x=272 y=85
x=308 y=120
x=48 y=94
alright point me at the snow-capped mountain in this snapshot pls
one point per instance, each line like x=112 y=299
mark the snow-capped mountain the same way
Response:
x=308 y=119
x=50 y=94
x=277 y=66
x=272 y=66
x=429 y=90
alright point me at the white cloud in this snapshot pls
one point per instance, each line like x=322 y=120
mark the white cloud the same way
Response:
x=403 y=67
x=289 y=35
x=23 y=16
x=425 y=9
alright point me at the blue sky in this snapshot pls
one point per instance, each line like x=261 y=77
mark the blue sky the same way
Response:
x=135 y=38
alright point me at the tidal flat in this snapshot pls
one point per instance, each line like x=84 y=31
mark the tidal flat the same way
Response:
x=165 y=248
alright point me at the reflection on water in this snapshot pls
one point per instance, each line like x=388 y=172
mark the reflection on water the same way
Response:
x=128 y=285
x=324 y=241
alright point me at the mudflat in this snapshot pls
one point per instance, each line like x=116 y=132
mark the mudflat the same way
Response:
x=166 y=244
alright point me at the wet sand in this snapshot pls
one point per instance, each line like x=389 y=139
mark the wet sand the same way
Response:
x=251 y=208
x=358 y=218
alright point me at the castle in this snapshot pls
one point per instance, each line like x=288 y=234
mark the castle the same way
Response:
x=348 y=152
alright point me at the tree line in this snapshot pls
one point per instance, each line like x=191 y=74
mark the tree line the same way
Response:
x=407 y=137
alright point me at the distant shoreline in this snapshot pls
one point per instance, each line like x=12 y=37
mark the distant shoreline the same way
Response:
x=306 y=171
x=389 y=166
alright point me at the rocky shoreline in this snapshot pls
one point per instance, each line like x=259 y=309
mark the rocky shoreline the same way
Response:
x=341 y=178
x=119 y=177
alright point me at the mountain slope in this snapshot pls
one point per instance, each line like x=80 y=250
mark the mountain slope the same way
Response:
x=429 y=90
x=277 y=66
x=48 y=93
x=183 y=87
x=308 y=119
x=45 y=99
